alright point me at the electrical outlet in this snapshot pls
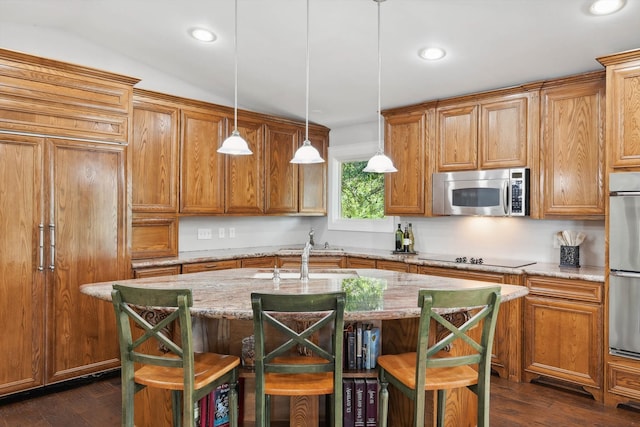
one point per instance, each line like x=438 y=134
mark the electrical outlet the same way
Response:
x=204 y=234
x=221 y=233
x=232 y=232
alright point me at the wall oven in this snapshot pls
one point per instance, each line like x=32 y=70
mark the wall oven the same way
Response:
x=624 y=264
x=496 y=192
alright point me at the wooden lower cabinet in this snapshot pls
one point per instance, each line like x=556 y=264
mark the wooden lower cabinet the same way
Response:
x=259 y=262
x=392 y=265
x=356 y=262
x=314 y=261
x=563 y=329
x=506 y=357
x=623 y=381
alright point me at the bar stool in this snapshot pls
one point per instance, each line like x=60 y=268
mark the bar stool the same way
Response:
x=289 y=369
x=431 y=368
x=189 y=376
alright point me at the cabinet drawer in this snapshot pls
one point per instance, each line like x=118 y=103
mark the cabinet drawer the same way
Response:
x=354 y=262
x=314 y=262
x=140 y=273
x=623 y=380
x=580 y=290
x=261 y=262
x=210 y=266
x=463 y=274
x=154 y=237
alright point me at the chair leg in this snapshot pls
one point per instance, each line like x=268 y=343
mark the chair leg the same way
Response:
x=127 y=403
x=233 y=404
x=384 y=404
x=442 y=406
x=176 y=408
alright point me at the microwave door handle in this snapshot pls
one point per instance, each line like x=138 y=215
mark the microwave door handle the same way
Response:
x=629 y=274
x=505 y=195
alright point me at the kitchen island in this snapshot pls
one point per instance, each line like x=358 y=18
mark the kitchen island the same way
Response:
x=222 y=307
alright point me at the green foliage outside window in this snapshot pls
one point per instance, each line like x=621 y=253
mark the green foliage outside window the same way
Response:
x=362 y=193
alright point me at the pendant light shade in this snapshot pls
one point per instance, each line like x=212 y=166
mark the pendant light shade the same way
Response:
x=379 y=163
x=235 y=144
x=307 y=153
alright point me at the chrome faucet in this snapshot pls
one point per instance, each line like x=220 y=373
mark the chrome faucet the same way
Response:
x=304 y=266
x=311 y=233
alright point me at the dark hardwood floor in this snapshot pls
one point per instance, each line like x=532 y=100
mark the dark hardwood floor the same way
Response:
x=97 y=404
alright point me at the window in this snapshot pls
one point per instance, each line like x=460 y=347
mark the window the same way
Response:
x=356 y=201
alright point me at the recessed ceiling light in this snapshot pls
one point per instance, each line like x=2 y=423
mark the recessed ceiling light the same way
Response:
x=605 y=7
x=203 y=35
x=432 y=53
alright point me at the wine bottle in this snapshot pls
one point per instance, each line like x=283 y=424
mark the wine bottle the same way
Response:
x=399 y=239
x=412 y=239
x=406 y=239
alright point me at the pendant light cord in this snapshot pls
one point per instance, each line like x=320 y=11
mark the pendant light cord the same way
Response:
x=379 y=83
x=306 y=123
x=235 y=53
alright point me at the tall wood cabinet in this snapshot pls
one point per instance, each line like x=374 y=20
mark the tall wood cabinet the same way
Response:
x=63 y=217
x=572 y=147
x=621 y=374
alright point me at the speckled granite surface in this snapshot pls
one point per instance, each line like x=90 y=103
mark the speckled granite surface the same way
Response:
x=595 y=274
x=226 y=293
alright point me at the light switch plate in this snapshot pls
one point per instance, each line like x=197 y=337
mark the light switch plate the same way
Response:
x=204 y=234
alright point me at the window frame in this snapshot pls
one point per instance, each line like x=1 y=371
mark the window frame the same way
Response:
x=338 y=155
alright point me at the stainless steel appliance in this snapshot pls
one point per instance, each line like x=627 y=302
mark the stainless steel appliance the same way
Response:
x=497 y=192
x=624 y=264
x=496 y=262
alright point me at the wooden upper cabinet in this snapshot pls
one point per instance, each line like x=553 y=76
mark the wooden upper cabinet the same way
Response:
x=623 y=108
x=572 y=147
x=202 y=167
x=155 y=157
x=502 y=135
x=281 y=176
x=457 y=137
x=312 y=189
x=405 y=144
x=487 y=134
x=245 y=174
x=48 y=97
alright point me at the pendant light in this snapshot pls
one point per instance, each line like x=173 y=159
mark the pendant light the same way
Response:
x=235 y=144
x=307 y=153
x=379 y=163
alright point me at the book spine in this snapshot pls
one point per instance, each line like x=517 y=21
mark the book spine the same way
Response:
x=366 y=349
x=347 y=401
x=371 y=403
x=359 y=402
x=221 y=406
x=351 y=350
x=359 y=346
x=374 y=347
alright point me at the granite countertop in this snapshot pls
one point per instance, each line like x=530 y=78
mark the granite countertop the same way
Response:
x=590 y=273
x=226 y=293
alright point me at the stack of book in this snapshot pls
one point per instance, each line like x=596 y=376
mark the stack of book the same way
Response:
x=361 y=346
x=213 y=409
x=360 y=402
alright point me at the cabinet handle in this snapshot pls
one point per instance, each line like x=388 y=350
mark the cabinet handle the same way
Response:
x=52 y=236
x=41 y=247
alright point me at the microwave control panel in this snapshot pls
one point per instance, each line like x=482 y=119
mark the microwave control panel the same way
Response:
x=519 y=182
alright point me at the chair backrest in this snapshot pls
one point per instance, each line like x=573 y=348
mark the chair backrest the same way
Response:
x=322 y=312
x=483 y=305
x=130 y=302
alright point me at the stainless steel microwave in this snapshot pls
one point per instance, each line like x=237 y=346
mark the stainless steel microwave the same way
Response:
x=495 y=192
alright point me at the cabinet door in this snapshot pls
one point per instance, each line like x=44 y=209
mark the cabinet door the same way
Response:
x=355 y=262
x=404 y=191
x=623 y=104
x=88 y=216
x=572 y=148
x=281 y=176
x=22 y=263
x=202 y=170
x=245 y=174
x=312 y=196
x=457 y=138
x=154 y=158
x=392 y=265
x=503 y=133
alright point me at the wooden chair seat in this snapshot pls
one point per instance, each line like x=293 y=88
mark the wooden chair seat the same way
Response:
x=403 y=368
x=207 y=367
x=307 y=384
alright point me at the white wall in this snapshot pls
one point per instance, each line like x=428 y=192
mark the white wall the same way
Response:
x=514 y=238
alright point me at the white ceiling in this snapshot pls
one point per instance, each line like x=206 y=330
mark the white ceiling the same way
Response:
x=490 y=44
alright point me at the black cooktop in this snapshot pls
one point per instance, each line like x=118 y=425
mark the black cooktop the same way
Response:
x=479 y=260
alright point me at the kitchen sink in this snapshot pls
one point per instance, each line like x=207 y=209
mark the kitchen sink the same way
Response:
x=312 y=275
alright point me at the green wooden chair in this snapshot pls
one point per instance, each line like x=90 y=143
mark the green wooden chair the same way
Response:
x=431 y=367
x=297 y=365
x=189 y=376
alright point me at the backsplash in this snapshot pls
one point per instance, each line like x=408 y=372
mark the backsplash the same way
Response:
x=510 y=238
